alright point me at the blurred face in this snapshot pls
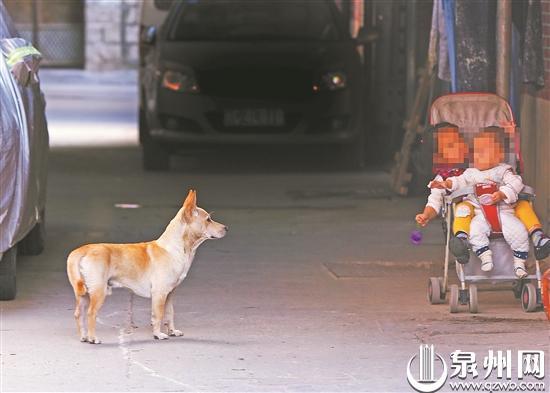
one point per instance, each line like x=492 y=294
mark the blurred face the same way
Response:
x=488 y=151
x=451 y=148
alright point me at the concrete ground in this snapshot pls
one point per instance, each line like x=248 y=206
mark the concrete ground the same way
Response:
x=315 y=288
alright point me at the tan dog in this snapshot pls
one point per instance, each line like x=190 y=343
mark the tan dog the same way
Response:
x=151 y=269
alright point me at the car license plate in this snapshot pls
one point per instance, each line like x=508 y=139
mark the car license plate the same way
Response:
x=262 y=117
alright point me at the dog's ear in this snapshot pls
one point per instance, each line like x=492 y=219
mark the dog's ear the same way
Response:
x=190 y=205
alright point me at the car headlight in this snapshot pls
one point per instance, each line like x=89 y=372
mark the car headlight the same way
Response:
x=182 y=81
x=336 y=80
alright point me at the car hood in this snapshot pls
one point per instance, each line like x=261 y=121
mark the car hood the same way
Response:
x=208 y=55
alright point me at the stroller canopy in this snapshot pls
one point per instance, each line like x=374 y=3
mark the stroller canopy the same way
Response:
x=472 y=110
x=458 y=118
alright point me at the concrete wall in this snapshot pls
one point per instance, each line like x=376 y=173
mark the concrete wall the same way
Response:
x=111 y=31
x=535 y=118
x=535 y=146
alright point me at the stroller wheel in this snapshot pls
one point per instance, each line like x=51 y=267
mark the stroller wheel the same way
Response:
x=434 y=291
x=529 y=297
x=472 y=301
x=453 y=300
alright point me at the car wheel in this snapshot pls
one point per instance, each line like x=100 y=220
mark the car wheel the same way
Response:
x=155 y=157
x=143 y=128
x=33 y=243
x=7 y=274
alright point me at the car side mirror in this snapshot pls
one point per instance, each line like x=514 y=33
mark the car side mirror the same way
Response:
x=366 y=35
x=149 y=35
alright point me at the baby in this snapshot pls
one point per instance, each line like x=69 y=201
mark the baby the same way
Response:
x=451 y=153
x=488 y=169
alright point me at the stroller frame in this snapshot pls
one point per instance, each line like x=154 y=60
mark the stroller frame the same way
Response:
x=472 y=111
x=528 y=289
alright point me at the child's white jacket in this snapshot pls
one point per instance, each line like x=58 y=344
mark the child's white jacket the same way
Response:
x=510 y=183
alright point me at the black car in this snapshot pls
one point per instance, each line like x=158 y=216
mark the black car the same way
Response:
x=241 y=71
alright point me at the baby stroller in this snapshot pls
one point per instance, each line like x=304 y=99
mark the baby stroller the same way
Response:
x=472 y=113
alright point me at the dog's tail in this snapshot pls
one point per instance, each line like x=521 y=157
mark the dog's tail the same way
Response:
x=73 y=271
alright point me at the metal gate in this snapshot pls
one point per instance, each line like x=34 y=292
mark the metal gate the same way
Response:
x=55 y=27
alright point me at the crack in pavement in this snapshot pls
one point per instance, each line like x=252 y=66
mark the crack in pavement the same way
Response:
x=125 y=337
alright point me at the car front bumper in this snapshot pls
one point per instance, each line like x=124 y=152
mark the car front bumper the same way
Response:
x=183 y=119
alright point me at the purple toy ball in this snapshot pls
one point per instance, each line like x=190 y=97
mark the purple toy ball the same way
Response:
x=416 y=237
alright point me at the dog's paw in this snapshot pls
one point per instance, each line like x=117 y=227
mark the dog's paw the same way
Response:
x=94 y=340
x=160 y=336
x=175 y=333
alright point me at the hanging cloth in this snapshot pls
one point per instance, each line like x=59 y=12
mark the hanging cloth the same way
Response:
x=475 y=43
x=438 y=52
x=532 y=57
x=449 y=16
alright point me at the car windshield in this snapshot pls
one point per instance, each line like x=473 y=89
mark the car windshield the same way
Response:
x=255 y=20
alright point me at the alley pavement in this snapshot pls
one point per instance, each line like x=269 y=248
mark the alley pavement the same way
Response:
x=316 y=287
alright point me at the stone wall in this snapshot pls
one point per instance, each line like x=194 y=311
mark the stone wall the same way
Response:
x=545 y=5
x=111 y=31
x=535 y=125
x=535 y=148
